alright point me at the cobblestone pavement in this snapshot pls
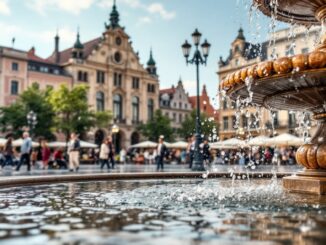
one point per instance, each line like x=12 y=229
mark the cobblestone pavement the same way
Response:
x=137 y=168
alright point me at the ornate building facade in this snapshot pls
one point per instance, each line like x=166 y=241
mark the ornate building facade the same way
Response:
x=242 y=54
x=174 y=103
x=117 y=81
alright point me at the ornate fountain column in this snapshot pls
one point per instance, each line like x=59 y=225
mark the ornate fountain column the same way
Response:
x=271 y=87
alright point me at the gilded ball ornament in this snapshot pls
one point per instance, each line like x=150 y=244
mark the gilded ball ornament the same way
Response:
x=282 y=65
x=317 y=59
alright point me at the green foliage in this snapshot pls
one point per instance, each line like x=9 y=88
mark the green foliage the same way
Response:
x=209 y=128
x=13 y=118
x=73 y=113
x=159 y=125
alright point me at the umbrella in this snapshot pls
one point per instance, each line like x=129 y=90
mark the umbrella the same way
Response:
x=285 y=140
x=259 y=141
x=2 y=141
x=145 y=144
x=179 y=145
x=228 y=144
x=19 y=142
x=83 y=144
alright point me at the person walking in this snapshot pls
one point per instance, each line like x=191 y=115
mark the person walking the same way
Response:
x=111 y=152
x=206 y=153
x=192 y=150
x=161 y=153
x=104 y=154
x=123 y=155
x=73 y=152
x=8 y=152
x=46 y=153
x=25 y=151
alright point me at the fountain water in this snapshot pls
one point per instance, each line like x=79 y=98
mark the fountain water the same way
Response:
x=270 y=87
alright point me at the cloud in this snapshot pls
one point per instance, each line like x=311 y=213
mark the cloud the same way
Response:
x=153 y=8
x=8 y=30
x=158 y=8
x=67 y=35
x=144 y=20
x=69 y=6
x=190 y=86
x=4 y=7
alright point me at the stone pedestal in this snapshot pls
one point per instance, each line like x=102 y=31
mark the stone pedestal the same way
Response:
x=307 y=181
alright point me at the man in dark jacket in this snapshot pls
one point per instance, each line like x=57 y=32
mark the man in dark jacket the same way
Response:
x=161 y=153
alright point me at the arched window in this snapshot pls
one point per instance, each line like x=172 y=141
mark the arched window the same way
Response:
x=150 y=109
x=100 y=104
x=135 y=109
x=117 y=106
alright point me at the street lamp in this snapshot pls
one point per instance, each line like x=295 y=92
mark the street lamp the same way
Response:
x=31 y=120
x=198 y=59
x=115 y=130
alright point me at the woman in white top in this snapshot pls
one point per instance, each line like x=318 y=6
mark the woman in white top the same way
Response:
x=104 y=154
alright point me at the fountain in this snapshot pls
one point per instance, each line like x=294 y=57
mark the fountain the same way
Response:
x=292 y=83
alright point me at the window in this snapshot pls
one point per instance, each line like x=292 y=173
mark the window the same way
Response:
x=292 y=120
x=118 y=41
x=180 y=105
x=117 y=57
x=135 y=109
x=117 y=106
x=305 y=50
x=100 y=103
x=150 y=105
x=14 y=89
x=175 y=105
x=275 y=118
x=174 y=117
x=180 y=118
x=135 y=82
x=225 y=123
x=234 y=121
x=82 y=76
x=289 y=51
x=14 y=66
x=117 y=80
x=244 y=121
x=151 y=88
x=225 y=104
x=100 y=77
x=186 y=106
x=237 y=63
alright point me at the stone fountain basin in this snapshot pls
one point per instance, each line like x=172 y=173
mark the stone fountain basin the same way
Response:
x=299 y=91
x=141 y=212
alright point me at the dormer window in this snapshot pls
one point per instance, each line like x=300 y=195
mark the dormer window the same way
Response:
x=237 y=63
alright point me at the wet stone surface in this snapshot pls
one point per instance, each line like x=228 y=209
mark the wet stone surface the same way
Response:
x=161 y=212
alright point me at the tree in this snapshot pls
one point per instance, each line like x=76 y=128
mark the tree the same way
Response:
x=13 y=118
x=73 y=112
x=209 y=127
x=159 y=125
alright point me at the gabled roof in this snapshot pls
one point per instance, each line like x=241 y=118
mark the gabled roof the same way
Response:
x=167 y=91
x=33 y=57
x=65 y=55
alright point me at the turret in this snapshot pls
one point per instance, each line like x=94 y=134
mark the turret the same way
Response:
x=114 y=17
x=151 y=64
x=78 y=49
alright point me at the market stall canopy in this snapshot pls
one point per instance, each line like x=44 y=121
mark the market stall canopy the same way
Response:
x=179 y=145
x=145 y=144
x=83 y=144
x=259 y=141
x=285 y=140
x=19 y=142
x=233 y=143
x=2 y=142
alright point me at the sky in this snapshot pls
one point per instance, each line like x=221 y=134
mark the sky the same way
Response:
x=161 y=24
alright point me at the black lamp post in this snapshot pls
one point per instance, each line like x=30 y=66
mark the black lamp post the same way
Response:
x=31 y=120
x=198 y=59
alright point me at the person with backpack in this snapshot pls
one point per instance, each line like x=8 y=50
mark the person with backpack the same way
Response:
x=8 y=152
x=73 y=152
x=104 y=154
x=111 y=152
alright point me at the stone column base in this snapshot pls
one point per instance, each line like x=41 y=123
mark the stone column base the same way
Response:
x=307 y=181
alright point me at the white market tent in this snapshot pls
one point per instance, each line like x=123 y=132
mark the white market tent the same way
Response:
x=233 y=143
x=145 y=144
x=2 y=142
x=179 y=145
x=259 y=141
x=285 y=140
x=60 y=144
x=19 y=142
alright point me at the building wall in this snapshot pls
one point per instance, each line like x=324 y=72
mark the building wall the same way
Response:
x=283 y=44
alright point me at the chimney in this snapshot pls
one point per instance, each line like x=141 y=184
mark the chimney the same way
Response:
x=56 y=48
